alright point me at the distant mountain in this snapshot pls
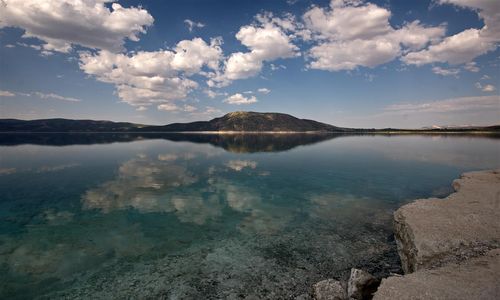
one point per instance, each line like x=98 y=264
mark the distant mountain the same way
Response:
x=249 y=121
x=236 y=121
x=65 y=125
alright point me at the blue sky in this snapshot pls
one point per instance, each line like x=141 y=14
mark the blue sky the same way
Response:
x=345 y=62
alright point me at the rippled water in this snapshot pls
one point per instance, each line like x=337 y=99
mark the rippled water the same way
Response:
x=188 y=216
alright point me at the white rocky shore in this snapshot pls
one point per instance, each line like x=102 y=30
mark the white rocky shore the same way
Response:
x=449 y=248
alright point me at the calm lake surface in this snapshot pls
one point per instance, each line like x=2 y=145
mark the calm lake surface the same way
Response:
x=102 y=216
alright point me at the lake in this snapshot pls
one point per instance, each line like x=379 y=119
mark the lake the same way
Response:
x=179 y=216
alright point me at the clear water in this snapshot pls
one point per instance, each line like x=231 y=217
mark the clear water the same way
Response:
x=195 y=217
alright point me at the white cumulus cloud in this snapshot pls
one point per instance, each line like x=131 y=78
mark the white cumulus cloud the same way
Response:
x=270 y=38
x=466 y=45
x=144 y=78
x=168 y=107
x=192 y=24
x=486 y=87
x=63 y=23
x=189 y=108
x=472 y=67
x=239 y=99
x=350 y=34
x=456 y=49
x=445 y=72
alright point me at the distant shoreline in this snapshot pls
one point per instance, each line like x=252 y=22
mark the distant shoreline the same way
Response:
x=231 y=123
x=360 y=131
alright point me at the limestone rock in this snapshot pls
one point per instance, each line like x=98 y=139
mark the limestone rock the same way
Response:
x=476 y=278
x=432 y=232
x=329 y=289
x=361 y=284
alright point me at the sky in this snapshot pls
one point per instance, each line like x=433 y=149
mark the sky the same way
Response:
x=352 y=63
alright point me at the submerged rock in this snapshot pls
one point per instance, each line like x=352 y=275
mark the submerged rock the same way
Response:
x=361 y=284
x=476 y=278
x=329 y=289
x=432 y=232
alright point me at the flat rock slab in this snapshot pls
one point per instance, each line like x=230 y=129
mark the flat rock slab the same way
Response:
x=476 y=278
x=433 y=232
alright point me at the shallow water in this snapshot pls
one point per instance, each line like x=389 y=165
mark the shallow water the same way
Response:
x=187 y=216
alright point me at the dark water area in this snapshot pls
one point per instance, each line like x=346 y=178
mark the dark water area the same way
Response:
x=184 y=216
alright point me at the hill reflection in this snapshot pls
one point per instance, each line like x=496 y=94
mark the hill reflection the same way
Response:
x=237 y=143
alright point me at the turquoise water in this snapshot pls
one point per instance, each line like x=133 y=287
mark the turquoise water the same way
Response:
x=196 y=217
